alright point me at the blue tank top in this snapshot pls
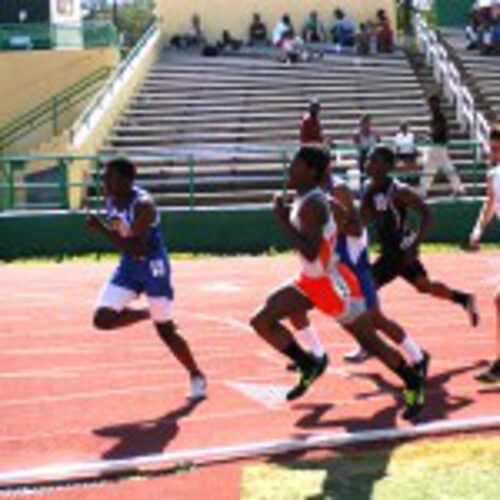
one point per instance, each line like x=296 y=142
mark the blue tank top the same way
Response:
x=122 y=219
x=352 y=250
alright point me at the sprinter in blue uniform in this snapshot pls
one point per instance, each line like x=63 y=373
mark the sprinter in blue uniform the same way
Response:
x=132 y=225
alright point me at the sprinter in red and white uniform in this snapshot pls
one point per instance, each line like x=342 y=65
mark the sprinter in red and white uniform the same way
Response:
x=324 y=282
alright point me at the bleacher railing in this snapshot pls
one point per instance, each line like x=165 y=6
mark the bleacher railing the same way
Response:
x=33 y=36
x=446 y=74
x=51 y=110
x=99 y=106
x=54 y=192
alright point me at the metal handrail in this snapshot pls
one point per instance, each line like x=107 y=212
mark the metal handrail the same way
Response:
x=104 y=96
x=50 y=109
x=14 y=163
x=446 y=73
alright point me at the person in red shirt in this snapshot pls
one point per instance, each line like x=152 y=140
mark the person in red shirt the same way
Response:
x=310 y=129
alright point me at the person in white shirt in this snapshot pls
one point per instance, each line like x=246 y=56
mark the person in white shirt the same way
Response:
x=291 y=47
x=406 y=149
x=490 y=208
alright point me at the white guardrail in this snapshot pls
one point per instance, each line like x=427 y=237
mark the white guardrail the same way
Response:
x=103 y=101
x=446 y=74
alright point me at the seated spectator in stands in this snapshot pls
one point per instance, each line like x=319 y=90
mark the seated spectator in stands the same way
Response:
x=365 y=138
x=385 y=35
x=343 y=30
x=228 y=42
x=257 y=32
x=363 y=39
x=495 y=36
x=195 y=35
x=291 y=47
x=489 y=40
x=313 y=30
x=472 y=31
x=283 y=31
x=405 y=147
x=310 y=128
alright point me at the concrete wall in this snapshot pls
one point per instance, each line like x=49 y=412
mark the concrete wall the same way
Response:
x=217 y=15
x=30 y=77
x=216 y=232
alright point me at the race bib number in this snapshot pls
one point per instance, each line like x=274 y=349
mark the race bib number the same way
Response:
x=381 y=203
x=158 y=268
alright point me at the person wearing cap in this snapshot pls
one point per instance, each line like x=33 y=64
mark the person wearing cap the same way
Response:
x=310 y=129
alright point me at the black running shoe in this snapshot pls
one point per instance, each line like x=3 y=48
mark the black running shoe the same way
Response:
x=472 y=311
x=306 y=379
x=491 y=375
x=324 y=361
x=422 y=367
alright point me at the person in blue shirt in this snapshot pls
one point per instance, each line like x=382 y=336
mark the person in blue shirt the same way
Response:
x=132 y=225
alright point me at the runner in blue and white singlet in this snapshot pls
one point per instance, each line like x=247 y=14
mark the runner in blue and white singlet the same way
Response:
x=132 y=225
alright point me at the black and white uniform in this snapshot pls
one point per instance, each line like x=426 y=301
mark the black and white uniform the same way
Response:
x=394 y=235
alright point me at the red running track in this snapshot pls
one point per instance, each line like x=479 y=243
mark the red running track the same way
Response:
x=69 y=393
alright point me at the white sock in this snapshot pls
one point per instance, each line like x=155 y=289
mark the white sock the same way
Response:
x=312 y=340
x=412 y=350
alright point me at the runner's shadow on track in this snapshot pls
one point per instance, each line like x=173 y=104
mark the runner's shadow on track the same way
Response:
x=145 y=437
x=440 y=403
x=353 y=473
x=346 y=474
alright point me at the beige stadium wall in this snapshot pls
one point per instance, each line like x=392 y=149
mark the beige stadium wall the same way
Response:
x=29 y=78
x=218 y=15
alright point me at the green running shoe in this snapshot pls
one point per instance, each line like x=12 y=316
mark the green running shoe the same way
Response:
x=414 y=401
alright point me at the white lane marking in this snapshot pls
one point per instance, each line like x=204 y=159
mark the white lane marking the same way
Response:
x=268 y=395
x=216 y=454
x=125 y=391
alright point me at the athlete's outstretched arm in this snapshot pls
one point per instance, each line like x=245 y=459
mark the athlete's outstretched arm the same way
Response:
x=413 y=201
x=134 y=244
x=312 y=217
x=352 y=225
x=484 y=218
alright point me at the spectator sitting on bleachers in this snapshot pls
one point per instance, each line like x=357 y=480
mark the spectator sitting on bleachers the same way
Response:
x=291 y=48
x=405 y=147
x=313 y=30
x=365 y=138
x=491 y=37
x=283 y=30
x=483 y=32
x=228 y=42
x=343 y=30
x=195 y=35
x=385 y=35
x=310 y=128
x=257 y=32
x=473 y=30
x=363 y=39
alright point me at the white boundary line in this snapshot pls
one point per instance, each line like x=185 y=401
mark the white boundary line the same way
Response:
x=74 y=470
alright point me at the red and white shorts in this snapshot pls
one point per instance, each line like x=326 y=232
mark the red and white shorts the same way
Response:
x=337 y=294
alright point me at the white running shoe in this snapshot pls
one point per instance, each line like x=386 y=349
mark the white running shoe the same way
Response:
x=198 y=389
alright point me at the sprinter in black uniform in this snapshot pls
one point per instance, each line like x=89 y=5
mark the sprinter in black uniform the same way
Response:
x=386 y=202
